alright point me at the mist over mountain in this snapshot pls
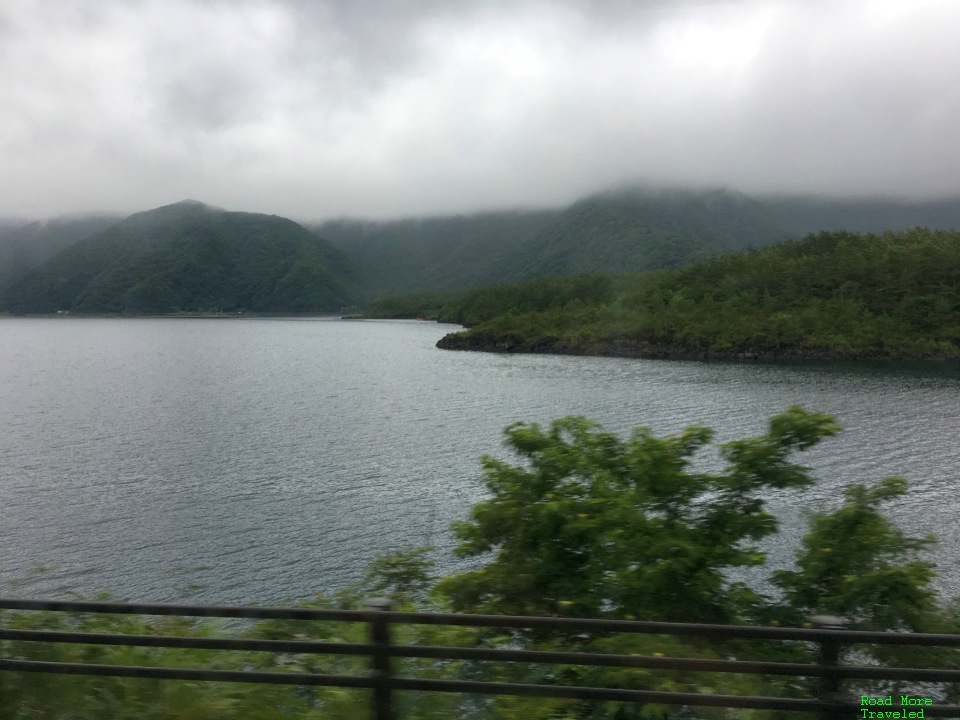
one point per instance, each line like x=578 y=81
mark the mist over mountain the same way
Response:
x=631 y=229
x=644 y=229
x=440 y=253
x=190 y=257
x=26 y=244
x=803 y=215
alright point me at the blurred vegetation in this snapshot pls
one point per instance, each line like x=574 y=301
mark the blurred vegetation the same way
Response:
x=582 y=523
x=831 y=295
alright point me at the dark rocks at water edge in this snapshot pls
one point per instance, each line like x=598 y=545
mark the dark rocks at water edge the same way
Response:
x=485 y=341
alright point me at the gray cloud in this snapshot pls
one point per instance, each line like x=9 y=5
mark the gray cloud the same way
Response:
x=316 y=109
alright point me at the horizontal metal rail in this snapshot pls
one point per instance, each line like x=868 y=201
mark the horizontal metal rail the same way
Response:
x=848 y=637
x=192 y=643
x=485 y=654
x=381 y=651
x=456 y=686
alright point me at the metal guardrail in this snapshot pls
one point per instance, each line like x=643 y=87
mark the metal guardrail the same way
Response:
x=828 y=704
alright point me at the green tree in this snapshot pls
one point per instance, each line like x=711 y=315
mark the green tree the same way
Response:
x=588 y=524
x=591 y=525
x=855 y=562
x=404 y=576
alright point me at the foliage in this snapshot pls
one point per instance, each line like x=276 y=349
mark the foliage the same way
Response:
x=29 y=695
x=403 y=576
x=585 y=524
x=432 y=254
x=24 y=246
x=857 y=564
x=628 y=230
x=831 y=295
x=593 y=526
x=189 y=258
x=77 y=697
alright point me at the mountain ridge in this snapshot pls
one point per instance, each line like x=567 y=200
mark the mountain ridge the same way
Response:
x=626 y=229
x=190 y=257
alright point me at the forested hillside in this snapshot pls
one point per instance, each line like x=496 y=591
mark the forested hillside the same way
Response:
x=830 y=295
x=25 y=245
x=628 y=230
x=437 y=253
x=189 y=257
x=636 y=230
x=803 y=215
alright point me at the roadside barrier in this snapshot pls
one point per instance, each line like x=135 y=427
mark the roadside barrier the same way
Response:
x=826 y=635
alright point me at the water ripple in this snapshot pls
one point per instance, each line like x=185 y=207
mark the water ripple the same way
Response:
x=286 y=454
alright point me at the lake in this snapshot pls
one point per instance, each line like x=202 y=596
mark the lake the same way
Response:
x=269 y=459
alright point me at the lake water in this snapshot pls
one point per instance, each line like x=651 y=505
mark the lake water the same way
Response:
x=282 y=455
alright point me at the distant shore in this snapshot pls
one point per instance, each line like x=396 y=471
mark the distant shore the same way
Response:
x=200 y=315
x=483 y=341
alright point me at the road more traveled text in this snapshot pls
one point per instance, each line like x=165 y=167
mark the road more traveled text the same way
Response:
x=873 y=707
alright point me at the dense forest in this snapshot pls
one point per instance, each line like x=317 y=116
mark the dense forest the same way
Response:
x=189 y=257
x=438 y=253
x=804 y=215
x=628 y=230
x=24 y=245
x=829 y=295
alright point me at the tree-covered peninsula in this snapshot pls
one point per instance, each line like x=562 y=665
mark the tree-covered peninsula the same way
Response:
x=832 y=295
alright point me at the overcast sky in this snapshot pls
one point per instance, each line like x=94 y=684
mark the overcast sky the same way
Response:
x=383 y=108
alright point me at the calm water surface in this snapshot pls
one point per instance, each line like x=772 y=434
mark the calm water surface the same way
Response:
x=268 y=459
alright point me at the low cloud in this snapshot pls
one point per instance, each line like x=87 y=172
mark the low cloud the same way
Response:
x=376 y=109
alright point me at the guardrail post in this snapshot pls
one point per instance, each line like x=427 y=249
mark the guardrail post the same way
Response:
x=829 y=656
x=380 y=665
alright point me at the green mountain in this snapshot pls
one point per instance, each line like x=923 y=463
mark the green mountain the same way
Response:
x=628 y=230
x=438 y=253
x=830 y=295
x=803 y=215
x=24 y=245
x=643 y=229
x=190 y=257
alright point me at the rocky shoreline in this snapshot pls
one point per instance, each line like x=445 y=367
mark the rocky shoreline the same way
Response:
x=484 y=341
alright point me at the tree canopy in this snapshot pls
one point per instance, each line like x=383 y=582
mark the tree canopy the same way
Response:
x=187 y=258
x=589 y=524
x=831 y=295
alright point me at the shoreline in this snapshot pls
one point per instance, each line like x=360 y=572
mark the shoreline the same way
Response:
x=171 y=316
x=634 y=348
